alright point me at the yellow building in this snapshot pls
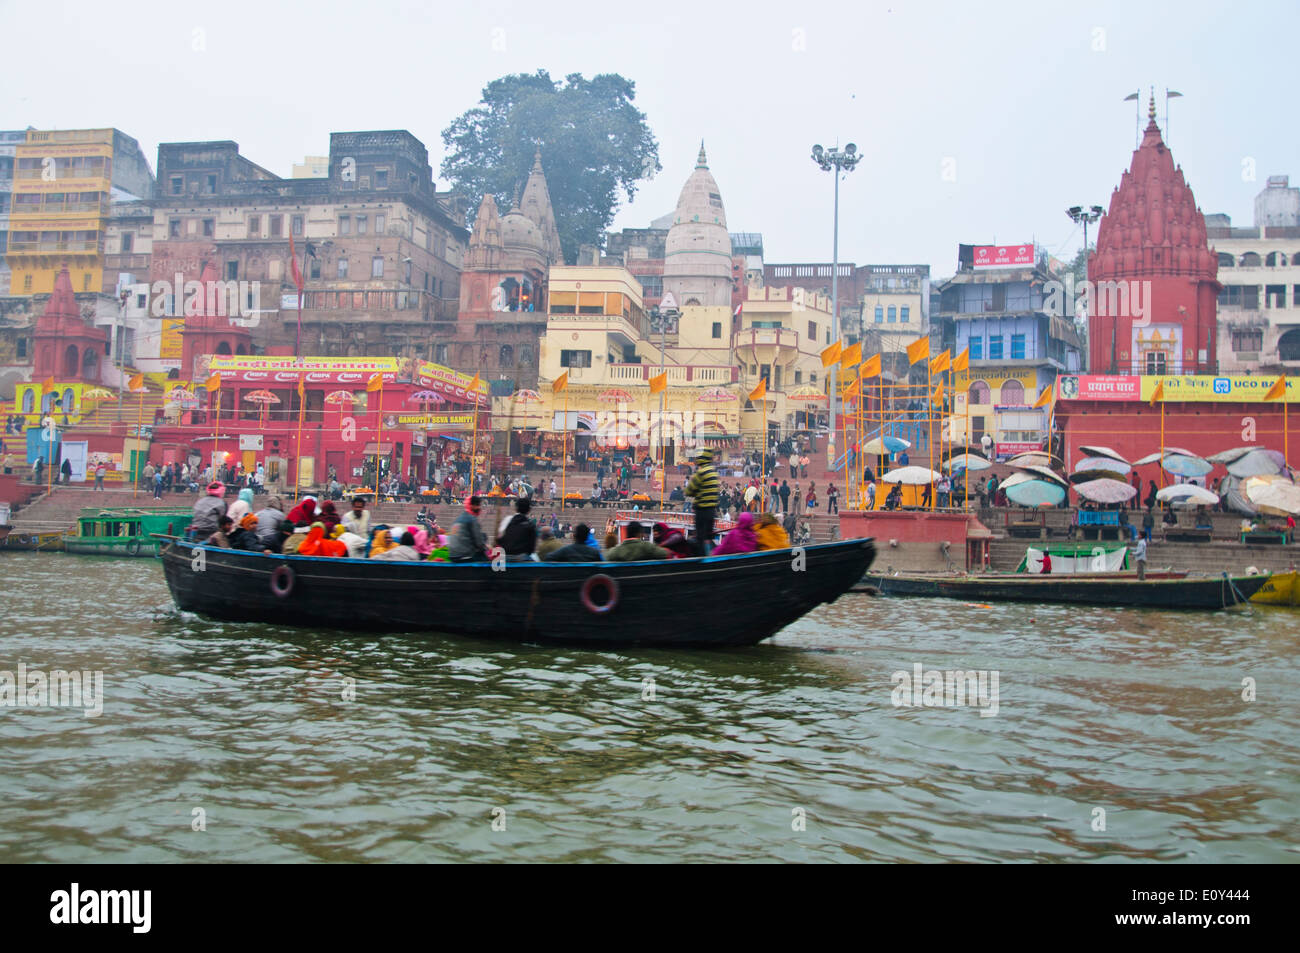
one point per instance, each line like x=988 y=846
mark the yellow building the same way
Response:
x=598 y=333
x=780 y=337
x=63 y=183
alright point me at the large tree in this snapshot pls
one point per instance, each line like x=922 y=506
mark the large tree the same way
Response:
x=595 y=143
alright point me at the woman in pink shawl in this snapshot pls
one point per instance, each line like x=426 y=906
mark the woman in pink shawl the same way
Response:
x=423 y=546
x=739 y=540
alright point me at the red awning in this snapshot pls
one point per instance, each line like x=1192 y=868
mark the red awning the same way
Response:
x=383 y=449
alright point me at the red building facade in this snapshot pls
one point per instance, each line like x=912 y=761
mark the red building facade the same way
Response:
x=67 y=346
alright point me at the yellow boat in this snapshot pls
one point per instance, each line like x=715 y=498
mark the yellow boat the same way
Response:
x=1280 y=590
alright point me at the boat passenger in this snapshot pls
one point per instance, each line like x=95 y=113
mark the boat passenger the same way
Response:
x=703 y=489
x=769 y=533
x=742 y=539
x=304 y=514
x=242 y=506
x=355 y=545
x=423 y=543
x=222 y=535
x=547 y=543
x=404 y=551
x=673 y=541
x=580 y=550
x=311 y=546
x=269 y=519
x=635 y=549
x=1047 y=563
x=466 y=541
x=244 y=536
x=517 y=535
x=357 y=520
x=381 y=542
x=207 y=511
x=329 y=516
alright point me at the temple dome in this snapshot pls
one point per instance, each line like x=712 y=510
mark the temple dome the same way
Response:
x=697 y=251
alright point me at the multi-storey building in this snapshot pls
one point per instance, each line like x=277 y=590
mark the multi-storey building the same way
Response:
x=1259 y=274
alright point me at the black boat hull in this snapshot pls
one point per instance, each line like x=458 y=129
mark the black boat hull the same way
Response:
x=725 y=600
x=1206 y=592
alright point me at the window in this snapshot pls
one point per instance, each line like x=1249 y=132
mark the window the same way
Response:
x=980 y=393
x=1013 y=394
x=893 y=315
x=440 y=353
x=343 y=267
x=377 y=266
x=209 y=227
x=277 y=225
x=1275 y=296
x=178 y=185
x=380 y=221
x=296 y=224
x=345 y=224
x=27 y=282
x=1017 y=347
x=1295 y=296
x=1157 y=362
x=210 y=184
x=314 y=268
x=995 y=347
x=976 y=346
x=127 y=241
x=254 y=226
x=381 y=182
x=85 y=282
x=812 y=377
x=507 y=356
x=717 y=329
x=575 y=359
x=880 y=314
x=812 y=330
x=406 y=272
x=174 y=228
x=904 y=315
x=1248 y=339
x=361 y=224
x=232 y=270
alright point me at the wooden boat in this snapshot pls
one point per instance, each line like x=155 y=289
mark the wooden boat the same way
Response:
x=1102 y=589
x=124 y=531
x=1280 y=590
x=716 y=600
x=44 y=541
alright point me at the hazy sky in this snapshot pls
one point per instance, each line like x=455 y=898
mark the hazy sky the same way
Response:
x=1020 y=104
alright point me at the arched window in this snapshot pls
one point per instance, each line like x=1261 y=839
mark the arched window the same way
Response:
x=1272 y=260
x=1226 y=260
x=1250 y=260
x=1288 y=345
x=240 y=349
x=223 y=348
x=29 y=400
x=980 y=393
x=90 y=364
x=525 y=355
x=71 y=361
x=70 y=399
x=507 y=356
x=1013 y=393
x=1295 y=259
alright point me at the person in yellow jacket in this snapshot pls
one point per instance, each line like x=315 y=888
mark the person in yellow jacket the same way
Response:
x=770 y=534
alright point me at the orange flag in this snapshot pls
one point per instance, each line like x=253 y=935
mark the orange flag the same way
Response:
x=213 y=382
x=376 y=382
x=918 y=350
x=1045 y=397
x=302 y=389
x=870 y=367
x=560 y=383
x=47 y=385
x=941 y=363
x=659 y=383
x=135 y=383
x=962 y=361
x=1159 y=395
x=1277 y=390
x=851 y=356
x=831 y=354
x=759 y=392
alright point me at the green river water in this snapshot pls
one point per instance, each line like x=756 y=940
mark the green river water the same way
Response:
x=464 y=750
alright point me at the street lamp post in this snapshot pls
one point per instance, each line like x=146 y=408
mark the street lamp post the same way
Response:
x=1085 y=217
x=835 y=161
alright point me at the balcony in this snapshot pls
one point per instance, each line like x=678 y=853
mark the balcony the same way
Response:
x=782 y=339
x=612 y=323
x=41 y=248
x=679 y=375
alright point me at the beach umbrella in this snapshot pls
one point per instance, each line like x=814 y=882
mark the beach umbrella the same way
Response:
x=1107 y=464
x=614 y=395
x=1046 y=474
x=1034 y=458
x=1227 y=456
x=425 y=397
x=1275 y=495
x=177 y=394
x=526 y=396
x=340 y=397
x=1099 y=451
x=1257 y=463
x=911 y=476
x=1035 y=492
x=261 y=397
x=967 y=461
x=715 y=395
x=1106 y=491
x=1083 y=476
x=1186 y=465
x=806 y=392
x=98 y=393
x=884 y=446
x=1187 y=493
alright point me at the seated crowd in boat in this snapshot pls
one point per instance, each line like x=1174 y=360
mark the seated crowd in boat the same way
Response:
x=312 y=528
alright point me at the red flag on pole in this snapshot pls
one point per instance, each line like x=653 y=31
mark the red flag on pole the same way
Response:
x=293 y=263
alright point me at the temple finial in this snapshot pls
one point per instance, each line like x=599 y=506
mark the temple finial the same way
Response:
x=1151 y=105
x=701 y=161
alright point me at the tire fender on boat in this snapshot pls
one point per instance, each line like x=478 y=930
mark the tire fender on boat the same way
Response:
x=133 y=546
x=282 y=580
x=591 y=584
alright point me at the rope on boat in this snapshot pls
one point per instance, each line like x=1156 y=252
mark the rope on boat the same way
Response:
x=1236 y=593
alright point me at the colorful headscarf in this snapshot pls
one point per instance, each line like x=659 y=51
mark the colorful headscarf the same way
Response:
x=741 y=539
x=311 y=546
x=382 y=543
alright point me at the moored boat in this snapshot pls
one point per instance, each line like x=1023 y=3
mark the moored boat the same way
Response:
x=33 y=541
x=1279 y=590
x=124 y=531
x=1102 y=589
x=715 y=600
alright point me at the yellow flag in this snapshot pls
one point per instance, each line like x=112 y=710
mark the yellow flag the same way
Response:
x=831 y=354
x=918 y=350
x=213 y=382
x=851 y=356
x=941 y=363
x=135 y=383
x=376 y=382
x=870 y=367
x=47 y=385
x=1045 y=397
x=1277 y=390
x=1159 y=395
x=659 y=383
x=302 y=388
x=962 y=361
x=560 y=383
x=938 y=395
x=759 y=392
x=474 y=385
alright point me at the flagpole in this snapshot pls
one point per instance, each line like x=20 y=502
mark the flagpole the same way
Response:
x=564 y=448
x=380 y=441
x=473 y=452
x=302 y=407
x=139 y=437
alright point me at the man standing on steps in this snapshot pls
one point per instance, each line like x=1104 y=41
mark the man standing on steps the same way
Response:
x=100 y=472
x=785 y=497
x=703 y=489
x=1140 y=557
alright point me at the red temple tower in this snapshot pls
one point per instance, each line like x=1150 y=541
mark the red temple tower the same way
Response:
x=1154 y=276
x=208 y=327
x=67 y=346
